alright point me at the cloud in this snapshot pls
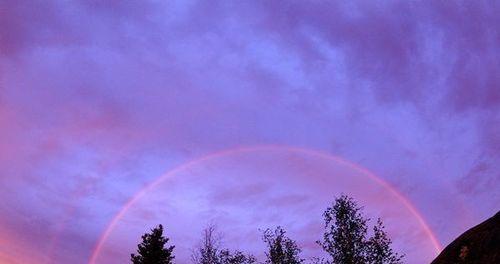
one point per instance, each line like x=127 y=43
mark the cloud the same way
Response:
x=97 y=99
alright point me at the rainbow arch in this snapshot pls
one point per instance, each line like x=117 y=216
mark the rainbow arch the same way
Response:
x=291 y=149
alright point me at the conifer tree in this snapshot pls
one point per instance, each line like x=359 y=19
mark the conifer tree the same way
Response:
x=153 y=249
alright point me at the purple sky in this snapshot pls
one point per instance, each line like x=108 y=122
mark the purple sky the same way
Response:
x=100 y=98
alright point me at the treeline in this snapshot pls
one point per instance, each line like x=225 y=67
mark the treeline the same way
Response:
x=345 y=241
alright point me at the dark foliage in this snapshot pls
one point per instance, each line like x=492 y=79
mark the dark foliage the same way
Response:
x=345 y=236
x=209 y=251
x=152 y=250
x=236 y=257
x=379 y=249
x=344 y=239
x=280 y=248
x=345 y=232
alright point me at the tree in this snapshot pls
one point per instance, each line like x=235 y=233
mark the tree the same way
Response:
x=281 y=249
x=236 y=257
x=345 y=236
x=345 y=232
x=379 y=247
x=152 y=250
x=209 y=251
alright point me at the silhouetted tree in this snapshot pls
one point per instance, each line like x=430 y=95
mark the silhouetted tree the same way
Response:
x=345 y=232
x=316 y=260
x=209 y=251
x=236 y=257
x=152 y=250
x=280 y=248
x=345 y=236
x=379 y=249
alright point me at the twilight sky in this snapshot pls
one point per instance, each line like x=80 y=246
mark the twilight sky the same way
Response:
x=246 y=114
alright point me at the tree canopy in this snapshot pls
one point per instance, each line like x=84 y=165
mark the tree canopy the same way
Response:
x=210 y=251
x=345 y=236
x=280 y=248
x=153 y=249
x=345 y=240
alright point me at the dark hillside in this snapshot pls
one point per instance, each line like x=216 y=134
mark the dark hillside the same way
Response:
x=480 y=244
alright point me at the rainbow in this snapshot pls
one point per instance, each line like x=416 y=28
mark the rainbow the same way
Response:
x=291 y=149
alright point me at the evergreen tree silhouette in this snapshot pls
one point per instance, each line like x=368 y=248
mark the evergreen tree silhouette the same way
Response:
x=280 y=248
x=152 y=250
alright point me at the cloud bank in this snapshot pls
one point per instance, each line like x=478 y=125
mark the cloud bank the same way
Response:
x=98 y=99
